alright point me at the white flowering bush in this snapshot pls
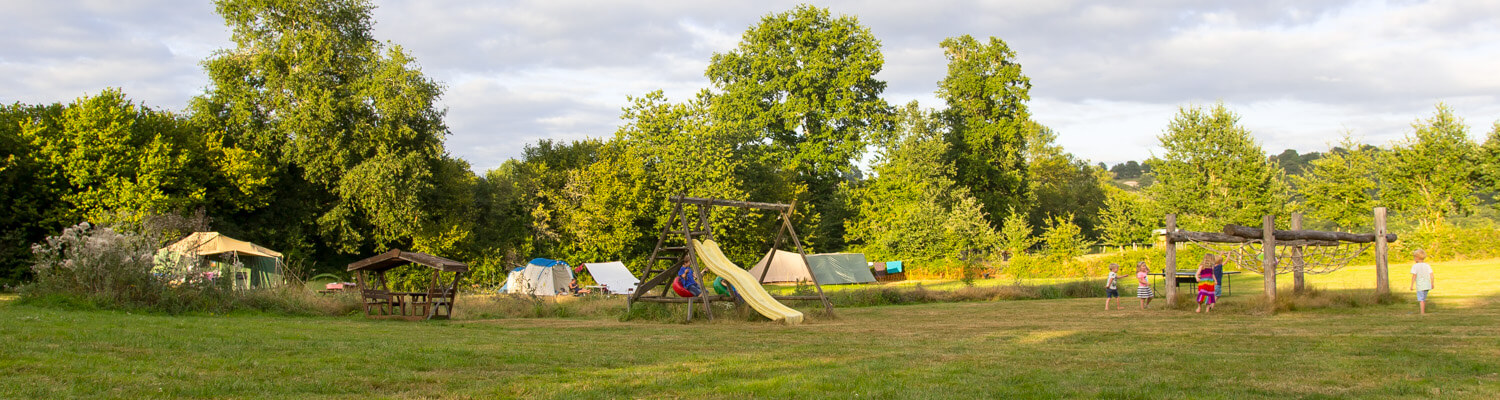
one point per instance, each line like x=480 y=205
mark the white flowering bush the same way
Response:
x=98 y=262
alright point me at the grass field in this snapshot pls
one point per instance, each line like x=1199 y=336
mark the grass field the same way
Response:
x=1007 y=349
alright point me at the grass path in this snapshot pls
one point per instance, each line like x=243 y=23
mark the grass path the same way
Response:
x=1008 y=349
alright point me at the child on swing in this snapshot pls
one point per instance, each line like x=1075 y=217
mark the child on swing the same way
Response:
x=1207 y=296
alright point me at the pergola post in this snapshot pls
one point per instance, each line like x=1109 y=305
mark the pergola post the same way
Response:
x=1268 y=254
x=1382 y=277
x=1298 y=264
x=1169 y=272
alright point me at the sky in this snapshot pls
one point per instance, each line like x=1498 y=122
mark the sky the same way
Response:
x=1107 y=76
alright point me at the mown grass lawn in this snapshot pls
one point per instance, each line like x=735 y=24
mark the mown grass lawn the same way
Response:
x=1007 y=349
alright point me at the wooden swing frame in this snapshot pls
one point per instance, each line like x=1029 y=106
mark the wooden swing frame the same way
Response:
x=680 y=225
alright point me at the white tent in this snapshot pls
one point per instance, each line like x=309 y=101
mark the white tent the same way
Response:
x=540 y=277
x=613 y=276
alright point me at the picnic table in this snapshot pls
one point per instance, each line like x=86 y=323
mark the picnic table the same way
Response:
x=414 y=299
x=1190 y=279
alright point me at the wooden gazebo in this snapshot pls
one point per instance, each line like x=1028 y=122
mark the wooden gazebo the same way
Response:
x=381 y=302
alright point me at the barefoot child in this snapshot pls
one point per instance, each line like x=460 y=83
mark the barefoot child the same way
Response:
x=1421 y=277
x=1143 y=288
x=1206 y=294
x=1112 y=286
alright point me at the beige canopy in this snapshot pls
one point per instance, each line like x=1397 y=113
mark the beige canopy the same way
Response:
x=785 y=267
x=210 y=243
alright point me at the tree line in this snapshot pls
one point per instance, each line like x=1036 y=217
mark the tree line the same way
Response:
x=316 y=139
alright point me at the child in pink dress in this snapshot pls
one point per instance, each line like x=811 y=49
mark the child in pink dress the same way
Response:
x=1143 y=285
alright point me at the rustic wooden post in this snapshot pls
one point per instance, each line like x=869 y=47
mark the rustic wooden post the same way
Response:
x=1298 y=284
x=705 y=229
x=780 y=232
x=787 y=222
x=1268 y=252
x=1382 y=277
x=1169 y=272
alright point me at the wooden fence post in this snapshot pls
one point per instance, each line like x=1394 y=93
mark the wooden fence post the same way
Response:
x=1298 y=283
x=1169 y=272
x=1382 y=277
x=1268 y=263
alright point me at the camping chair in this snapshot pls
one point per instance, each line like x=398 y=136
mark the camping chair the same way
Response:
x=381 y=299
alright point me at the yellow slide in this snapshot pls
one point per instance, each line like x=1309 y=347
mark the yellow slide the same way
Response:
x=748 y=287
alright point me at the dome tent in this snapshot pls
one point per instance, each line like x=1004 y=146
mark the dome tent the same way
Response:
x=540 y=277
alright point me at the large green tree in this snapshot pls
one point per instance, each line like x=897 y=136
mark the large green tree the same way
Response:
x=1061 y=183
x=347 y=128
x=913 y=209
x=106 y=159
x=1489 y=162
x=1213 y=172
x=986 y=95
x=117 y=159
x=30 y=203
x=800 y=93
x=1431 y=174
x=663 y=149
x=1344 y=185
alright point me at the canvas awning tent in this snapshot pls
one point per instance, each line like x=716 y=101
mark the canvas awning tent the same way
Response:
x=210 y=243
x=540 y=277
x=831 y=269
x=613 y=276
x=261 y=266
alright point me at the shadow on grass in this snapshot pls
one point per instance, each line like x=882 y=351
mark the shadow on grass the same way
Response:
x=887 y=295
x=1313 y=298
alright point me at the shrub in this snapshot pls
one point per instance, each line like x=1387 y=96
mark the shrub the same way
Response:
x=89 y=266
x=98 y=264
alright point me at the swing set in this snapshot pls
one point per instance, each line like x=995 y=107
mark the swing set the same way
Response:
x=675 y=250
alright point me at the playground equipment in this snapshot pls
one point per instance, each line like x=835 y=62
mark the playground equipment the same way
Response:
x=698 y=250
x=754 y=294
x=1264 y=250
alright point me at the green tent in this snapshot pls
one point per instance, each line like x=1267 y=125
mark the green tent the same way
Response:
x=258 y=266
x=840 y=268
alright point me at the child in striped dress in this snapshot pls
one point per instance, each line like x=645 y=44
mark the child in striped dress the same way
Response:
x=1143 y=285
x=1206 y=294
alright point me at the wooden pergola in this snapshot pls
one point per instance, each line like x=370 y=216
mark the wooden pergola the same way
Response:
x=1269 y=238
x=381 y=302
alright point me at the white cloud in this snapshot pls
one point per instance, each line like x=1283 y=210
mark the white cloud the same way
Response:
x=1107 y=76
